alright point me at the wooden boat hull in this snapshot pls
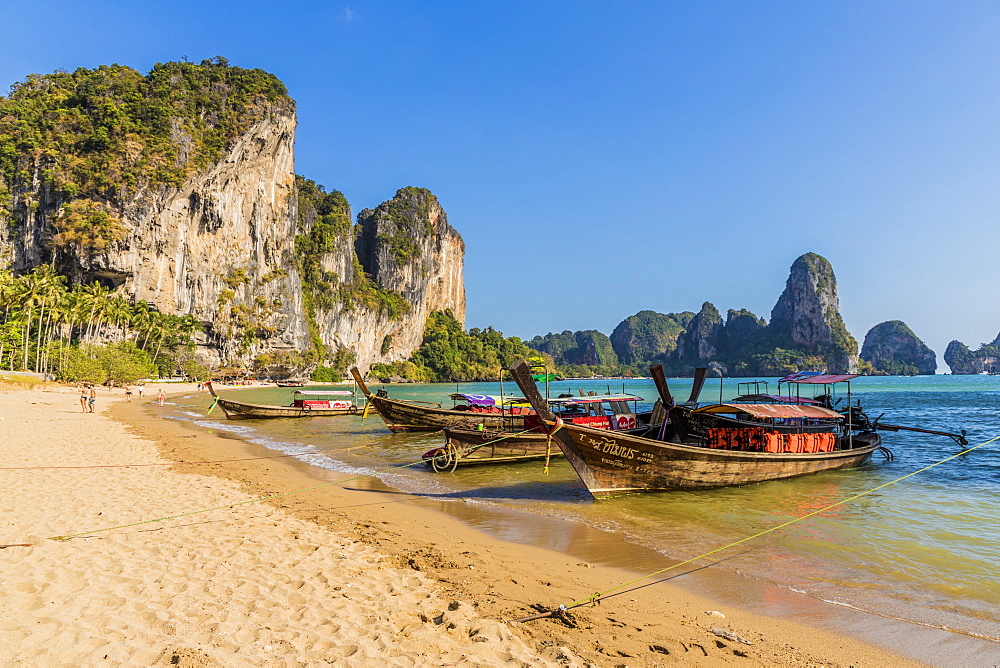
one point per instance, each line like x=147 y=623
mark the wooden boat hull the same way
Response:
x=471 y=446
x=237 y=410
x=240 y=410
x=407 y=416
x=613 y=463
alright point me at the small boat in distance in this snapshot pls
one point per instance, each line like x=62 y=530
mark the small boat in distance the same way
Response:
x=290 y=383
x=305 y=403
x=496 y=413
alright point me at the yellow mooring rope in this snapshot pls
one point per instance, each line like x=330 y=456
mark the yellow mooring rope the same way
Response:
x=548 y=443
x=270 y=496
x=594 y=598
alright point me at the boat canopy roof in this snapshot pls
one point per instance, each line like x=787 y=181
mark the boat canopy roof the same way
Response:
x=775 y=398
x=595 y=399
x=488 y=399
x=817 y=378
x=771 y=410
x=323 y=392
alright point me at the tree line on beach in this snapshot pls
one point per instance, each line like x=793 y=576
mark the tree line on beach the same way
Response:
x=88 y=333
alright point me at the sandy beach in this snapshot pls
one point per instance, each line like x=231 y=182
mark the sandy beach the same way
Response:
x=348 y=574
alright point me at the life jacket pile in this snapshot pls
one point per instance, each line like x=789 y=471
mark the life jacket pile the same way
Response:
x=513 y=410
x=757 y=440
x=484 y=409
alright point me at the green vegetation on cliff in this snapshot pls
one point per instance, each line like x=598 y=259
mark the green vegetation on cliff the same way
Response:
x=648 y=335
x=410 y=205
x=962 y=360
x=448 y=353
x=892 y=349
x=100 y=131
x=325 y=218
x=588 y=347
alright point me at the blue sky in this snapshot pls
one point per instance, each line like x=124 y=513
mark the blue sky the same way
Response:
x=629 y=155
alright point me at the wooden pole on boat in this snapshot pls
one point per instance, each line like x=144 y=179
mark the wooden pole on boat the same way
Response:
x=360 y=381
x=699 y=381
x=521 y=373
x=364 y=390
x=958 y=438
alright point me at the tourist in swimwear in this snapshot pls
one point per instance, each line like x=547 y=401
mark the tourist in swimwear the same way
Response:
x=161 y=397
x=83 y=397
x=128 y=393
x=92 y=398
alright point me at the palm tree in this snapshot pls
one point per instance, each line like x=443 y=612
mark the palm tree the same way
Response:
x=27 y=288
x=50 y=287
x=96 y=296
x=142 y=319
x=119 y=313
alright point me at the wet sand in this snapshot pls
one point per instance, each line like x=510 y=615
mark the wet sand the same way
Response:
x=234 y=586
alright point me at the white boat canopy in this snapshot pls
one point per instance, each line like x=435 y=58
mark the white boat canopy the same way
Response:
x=324 y=392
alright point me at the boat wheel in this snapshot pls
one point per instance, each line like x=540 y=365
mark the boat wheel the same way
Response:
x=446 y=459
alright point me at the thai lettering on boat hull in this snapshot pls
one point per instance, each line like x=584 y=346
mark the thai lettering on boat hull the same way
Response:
x=610 y=447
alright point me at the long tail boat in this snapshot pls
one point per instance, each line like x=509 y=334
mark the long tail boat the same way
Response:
x=612 y=463
x=493 y=413
x=471 y=443
x=305 y=403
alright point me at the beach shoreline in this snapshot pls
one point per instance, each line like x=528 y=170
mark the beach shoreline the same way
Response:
x=607 y=559
x=455 y=570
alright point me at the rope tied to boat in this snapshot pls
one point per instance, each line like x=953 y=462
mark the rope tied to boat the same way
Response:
x=548 y=443
x=596 y=598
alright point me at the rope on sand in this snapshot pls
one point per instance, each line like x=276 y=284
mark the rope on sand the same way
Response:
x=385 y=469
x=174 y=463
x=597 y=597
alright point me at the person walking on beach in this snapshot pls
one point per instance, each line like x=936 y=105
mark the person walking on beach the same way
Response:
x=128 y=393
x=83 y=397
x=161 y=397
x=92 y=398
x=140 y=386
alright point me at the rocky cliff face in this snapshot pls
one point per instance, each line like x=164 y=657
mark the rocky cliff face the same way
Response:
x=401 y=262
x=892 y=348
x=806 y=332
x=219 y=246
x=704 y=337
x=807 y=315
x=588 y=347
x=186 y=198
x=648 y=334
x=745 y=332
x=407 y=245
x=961 y=360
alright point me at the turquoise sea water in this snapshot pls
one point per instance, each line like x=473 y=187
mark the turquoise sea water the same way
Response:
x=926 y=549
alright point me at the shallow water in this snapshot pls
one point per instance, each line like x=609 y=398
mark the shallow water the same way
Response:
x=924 y=549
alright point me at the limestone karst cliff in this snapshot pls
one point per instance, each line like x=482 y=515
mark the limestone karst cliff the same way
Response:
x=703 y=338
x=893 y=349
x=807 y=315
x=370 y=288
x=648 y=334
x=985 y=359
x=806 y=332
x=588 y=347
x=178 y=188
